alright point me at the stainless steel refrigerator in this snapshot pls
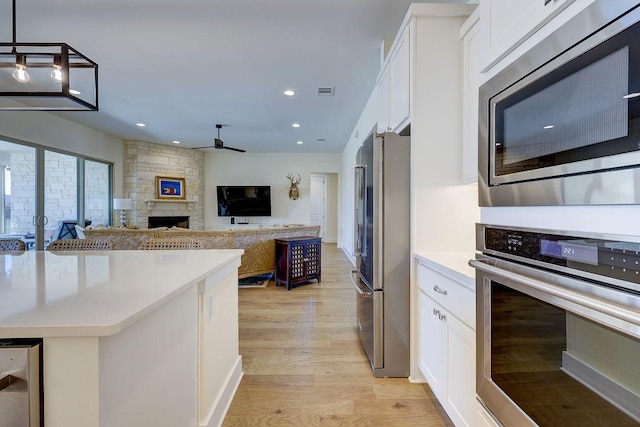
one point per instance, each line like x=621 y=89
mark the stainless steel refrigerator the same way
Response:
x=381 y=241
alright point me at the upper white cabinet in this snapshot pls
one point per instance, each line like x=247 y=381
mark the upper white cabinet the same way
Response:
x=471 y=56
x=507 y=23
x=394 y=87
x=382 y=88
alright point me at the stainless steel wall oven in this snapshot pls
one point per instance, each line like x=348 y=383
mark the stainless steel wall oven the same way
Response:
x=561 y=125
x=558 y=327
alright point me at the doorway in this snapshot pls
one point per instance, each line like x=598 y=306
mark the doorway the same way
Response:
x=323 y=191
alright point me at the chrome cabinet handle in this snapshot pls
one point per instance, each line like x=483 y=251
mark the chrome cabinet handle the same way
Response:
x=440 y=291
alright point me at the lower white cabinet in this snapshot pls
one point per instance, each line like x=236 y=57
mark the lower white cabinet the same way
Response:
x=446 y=353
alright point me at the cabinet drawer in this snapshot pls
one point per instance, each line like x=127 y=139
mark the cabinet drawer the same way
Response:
x=456 y=298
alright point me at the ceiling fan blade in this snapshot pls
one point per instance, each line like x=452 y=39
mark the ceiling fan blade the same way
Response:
x=235 y=149
x=199 y=148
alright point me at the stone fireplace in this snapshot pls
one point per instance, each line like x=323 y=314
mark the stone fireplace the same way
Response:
x=168 y=221
x=145 y=161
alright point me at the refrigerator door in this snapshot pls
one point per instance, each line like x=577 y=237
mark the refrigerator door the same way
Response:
x=370 y=321
x=367 y=265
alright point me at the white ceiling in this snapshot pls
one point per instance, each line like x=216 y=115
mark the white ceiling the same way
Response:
x=181 y=66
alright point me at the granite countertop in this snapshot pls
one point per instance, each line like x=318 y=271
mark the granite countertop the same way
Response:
x=47 y=294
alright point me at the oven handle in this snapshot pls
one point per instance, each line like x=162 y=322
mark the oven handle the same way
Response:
x=358 y=289
x=602 y=306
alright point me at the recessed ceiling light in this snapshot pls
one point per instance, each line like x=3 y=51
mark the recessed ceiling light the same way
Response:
x=176 y=142
x=299 y=142
x=632 y=95
x=549 y=127
x=140 y=125
x=295 y=125
x=75 y=92
x=289 y=92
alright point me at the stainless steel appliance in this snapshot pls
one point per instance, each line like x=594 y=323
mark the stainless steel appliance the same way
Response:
x=382 y=251
x=561 y=125
x=558 y=327
x=20 y=385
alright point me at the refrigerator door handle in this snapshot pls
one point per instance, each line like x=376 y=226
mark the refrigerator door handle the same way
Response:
x=360 y=205
x=354 y=273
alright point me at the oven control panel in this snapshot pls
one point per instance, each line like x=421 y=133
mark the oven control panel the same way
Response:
x=615 y=257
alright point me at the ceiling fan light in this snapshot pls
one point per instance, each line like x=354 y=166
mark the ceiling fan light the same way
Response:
x=20 y=72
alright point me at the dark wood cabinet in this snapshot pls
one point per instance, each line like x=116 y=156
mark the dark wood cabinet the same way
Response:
x=297 y=260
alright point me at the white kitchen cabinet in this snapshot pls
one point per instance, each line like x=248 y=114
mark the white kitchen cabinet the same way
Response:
x=399 y=84
x=508 y=23
x=447 y=342
x=430 y=355
x=394 y=87
x=471 y=56
x=383 y=101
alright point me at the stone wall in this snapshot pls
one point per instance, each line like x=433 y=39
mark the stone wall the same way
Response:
x=144 y=161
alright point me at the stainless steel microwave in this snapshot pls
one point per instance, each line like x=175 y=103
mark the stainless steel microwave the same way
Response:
x=561 y=124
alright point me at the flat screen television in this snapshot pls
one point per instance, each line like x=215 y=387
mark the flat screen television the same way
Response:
x=244 y=200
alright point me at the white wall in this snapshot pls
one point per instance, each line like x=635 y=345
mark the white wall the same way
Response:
x=223 y=168
x=55 y=132
x=363 y=127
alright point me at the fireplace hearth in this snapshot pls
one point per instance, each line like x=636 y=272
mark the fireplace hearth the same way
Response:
x=168 y=221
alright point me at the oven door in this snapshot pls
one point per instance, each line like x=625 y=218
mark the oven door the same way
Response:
x=554 y=350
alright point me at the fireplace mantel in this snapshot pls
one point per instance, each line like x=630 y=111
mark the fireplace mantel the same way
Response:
x=151 y=202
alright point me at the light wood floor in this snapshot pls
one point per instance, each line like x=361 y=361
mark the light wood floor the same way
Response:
x=304 y=365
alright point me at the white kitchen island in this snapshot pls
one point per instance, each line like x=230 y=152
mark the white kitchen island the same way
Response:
x=130 y=338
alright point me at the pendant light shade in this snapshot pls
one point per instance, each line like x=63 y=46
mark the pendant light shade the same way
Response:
x=46 y=77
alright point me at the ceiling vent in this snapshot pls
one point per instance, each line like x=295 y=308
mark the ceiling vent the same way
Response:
x=325 y=91
x=321 y=140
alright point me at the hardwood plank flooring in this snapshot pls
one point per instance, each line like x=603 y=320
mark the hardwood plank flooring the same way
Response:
x=304 y=364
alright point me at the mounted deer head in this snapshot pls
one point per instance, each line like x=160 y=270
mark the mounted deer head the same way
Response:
x=293 y=189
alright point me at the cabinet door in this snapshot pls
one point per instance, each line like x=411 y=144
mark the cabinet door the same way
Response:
x=312 y=259
x=460 y=401
x=383 y=101
x=508 y=23
x=471 y=45
x=399 y=84
x=431 y=339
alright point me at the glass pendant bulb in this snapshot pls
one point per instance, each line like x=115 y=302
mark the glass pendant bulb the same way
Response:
x=20 y=73
x=56 y=73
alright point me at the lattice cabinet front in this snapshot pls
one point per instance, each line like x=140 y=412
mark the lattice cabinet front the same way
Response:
x=298 y=260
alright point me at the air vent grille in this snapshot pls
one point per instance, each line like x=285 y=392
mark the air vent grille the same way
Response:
x=326 y=91
x=321 y=139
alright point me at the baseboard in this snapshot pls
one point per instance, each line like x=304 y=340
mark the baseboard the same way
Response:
x=414 y=380
x=350 y=256
x=219 y=409
x=616 y=394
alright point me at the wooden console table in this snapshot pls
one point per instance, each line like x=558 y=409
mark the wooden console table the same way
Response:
x=298 y=260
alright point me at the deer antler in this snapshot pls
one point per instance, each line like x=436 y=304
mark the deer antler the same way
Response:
x=294 y=182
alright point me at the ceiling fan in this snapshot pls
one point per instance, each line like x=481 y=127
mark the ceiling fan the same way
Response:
x=217 y=143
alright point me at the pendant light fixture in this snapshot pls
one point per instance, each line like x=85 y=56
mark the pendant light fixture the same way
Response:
x=46 y=77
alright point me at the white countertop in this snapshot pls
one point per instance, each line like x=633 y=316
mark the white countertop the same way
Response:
x=46 y=294
x=454 y=264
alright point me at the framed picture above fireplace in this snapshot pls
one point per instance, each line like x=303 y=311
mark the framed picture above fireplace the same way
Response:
x=170 y=188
